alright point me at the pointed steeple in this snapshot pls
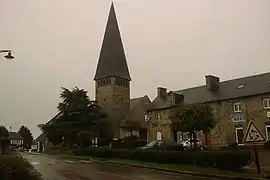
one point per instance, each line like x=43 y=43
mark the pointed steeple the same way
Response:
x=112 y=58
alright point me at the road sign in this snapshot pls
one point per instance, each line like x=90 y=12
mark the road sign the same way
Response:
x=253 y=134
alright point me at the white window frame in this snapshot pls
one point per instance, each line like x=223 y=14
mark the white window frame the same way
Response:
x=157 y=116
x=268 y=103
x=239 y=107
x=266 y=132
x=236 y=137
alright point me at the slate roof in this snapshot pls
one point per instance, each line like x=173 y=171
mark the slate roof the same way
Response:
x=133 y=103
x=15 y=136
x=231 y=89
x=41 y=137
x=112 y=58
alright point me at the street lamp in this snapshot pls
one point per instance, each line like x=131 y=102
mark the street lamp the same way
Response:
x=9 y=55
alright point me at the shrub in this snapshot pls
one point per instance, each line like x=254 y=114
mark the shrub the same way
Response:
x=17 y=168
x=130 y=142
x=233 y=145
x=267 y=144
x=232 y=160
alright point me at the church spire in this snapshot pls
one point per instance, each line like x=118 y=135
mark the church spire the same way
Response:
x=112 y=58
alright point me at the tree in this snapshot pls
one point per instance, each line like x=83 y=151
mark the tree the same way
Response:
x=79 y=117
x=192 y=118
x=27 y=137
x=4 y=139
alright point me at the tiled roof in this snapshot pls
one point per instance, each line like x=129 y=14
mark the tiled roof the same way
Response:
x=15 y=136
x=112 y=58
x=236 y=88
x=127 y=122
x=135 y=101
x=41 y=137
x=231 y=89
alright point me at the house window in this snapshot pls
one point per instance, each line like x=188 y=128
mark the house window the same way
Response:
x=237 y=107
x=171 y=114
x=266 y=103
x=267 y=131
x=109 y=81
x=117 y=81
x=157 y=116
x=239 y=135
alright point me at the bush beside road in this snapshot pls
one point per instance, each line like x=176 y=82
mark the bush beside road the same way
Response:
x=17 y=168
x=229 y=160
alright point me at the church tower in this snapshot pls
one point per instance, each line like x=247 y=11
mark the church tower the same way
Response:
x=112 y=76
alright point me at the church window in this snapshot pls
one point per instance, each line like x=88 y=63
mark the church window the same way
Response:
x=117 y=81
x=109 y=81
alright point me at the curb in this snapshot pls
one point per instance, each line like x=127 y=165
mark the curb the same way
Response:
x=192 y=173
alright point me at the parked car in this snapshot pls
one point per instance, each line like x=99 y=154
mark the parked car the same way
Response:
x=162 y=145
x=187 y=144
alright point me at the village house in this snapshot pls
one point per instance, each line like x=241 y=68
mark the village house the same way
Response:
x=234 y=103
x=16 y=140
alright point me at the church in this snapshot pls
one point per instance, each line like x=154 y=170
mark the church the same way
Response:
x=234 y=102
x=112 y=86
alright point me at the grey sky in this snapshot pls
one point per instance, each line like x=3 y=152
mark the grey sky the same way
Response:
x=169 y=43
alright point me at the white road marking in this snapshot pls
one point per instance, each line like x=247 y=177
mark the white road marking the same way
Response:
x=35 y=163
x=118 y=175
x=85 y=161
x=68 y=161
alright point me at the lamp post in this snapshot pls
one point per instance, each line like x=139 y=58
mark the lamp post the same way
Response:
x=9 y=55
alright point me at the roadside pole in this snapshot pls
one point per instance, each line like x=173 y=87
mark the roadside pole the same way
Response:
x=256 y=159
x=253 y=135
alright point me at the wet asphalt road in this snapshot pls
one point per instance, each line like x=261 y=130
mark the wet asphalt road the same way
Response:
x=53 y=168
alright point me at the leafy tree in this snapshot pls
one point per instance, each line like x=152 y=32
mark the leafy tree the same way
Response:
x=4 y=139
x=27 y=137
x=192 y=118
x=78 y=118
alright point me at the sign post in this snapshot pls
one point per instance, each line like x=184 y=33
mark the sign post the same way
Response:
x=253 y=135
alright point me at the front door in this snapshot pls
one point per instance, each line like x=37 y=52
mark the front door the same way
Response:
x=159 y=135
x=207 y=138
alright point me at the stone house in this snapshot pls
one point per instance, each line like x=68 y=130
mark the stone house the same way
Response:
x=234 y=103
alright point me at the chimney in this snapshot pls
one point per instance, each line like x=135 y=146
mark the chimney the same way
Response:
x=161 y=92
x=212 y=82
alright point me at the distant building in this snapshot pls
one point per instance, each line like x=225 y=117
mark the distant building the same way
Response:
x=234 y=103
x=15 y=139
x=41 y=143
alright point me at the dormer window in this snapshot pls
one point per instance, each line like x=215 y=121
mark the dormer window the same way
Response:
x=240 y=86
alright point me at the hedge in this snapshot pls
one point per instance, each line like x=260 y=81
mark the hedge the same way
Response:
x=17 y=168
x=231 y=160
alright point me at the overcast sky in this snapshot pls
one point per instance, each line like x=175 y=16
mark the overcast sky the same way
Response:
x=168 y=43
